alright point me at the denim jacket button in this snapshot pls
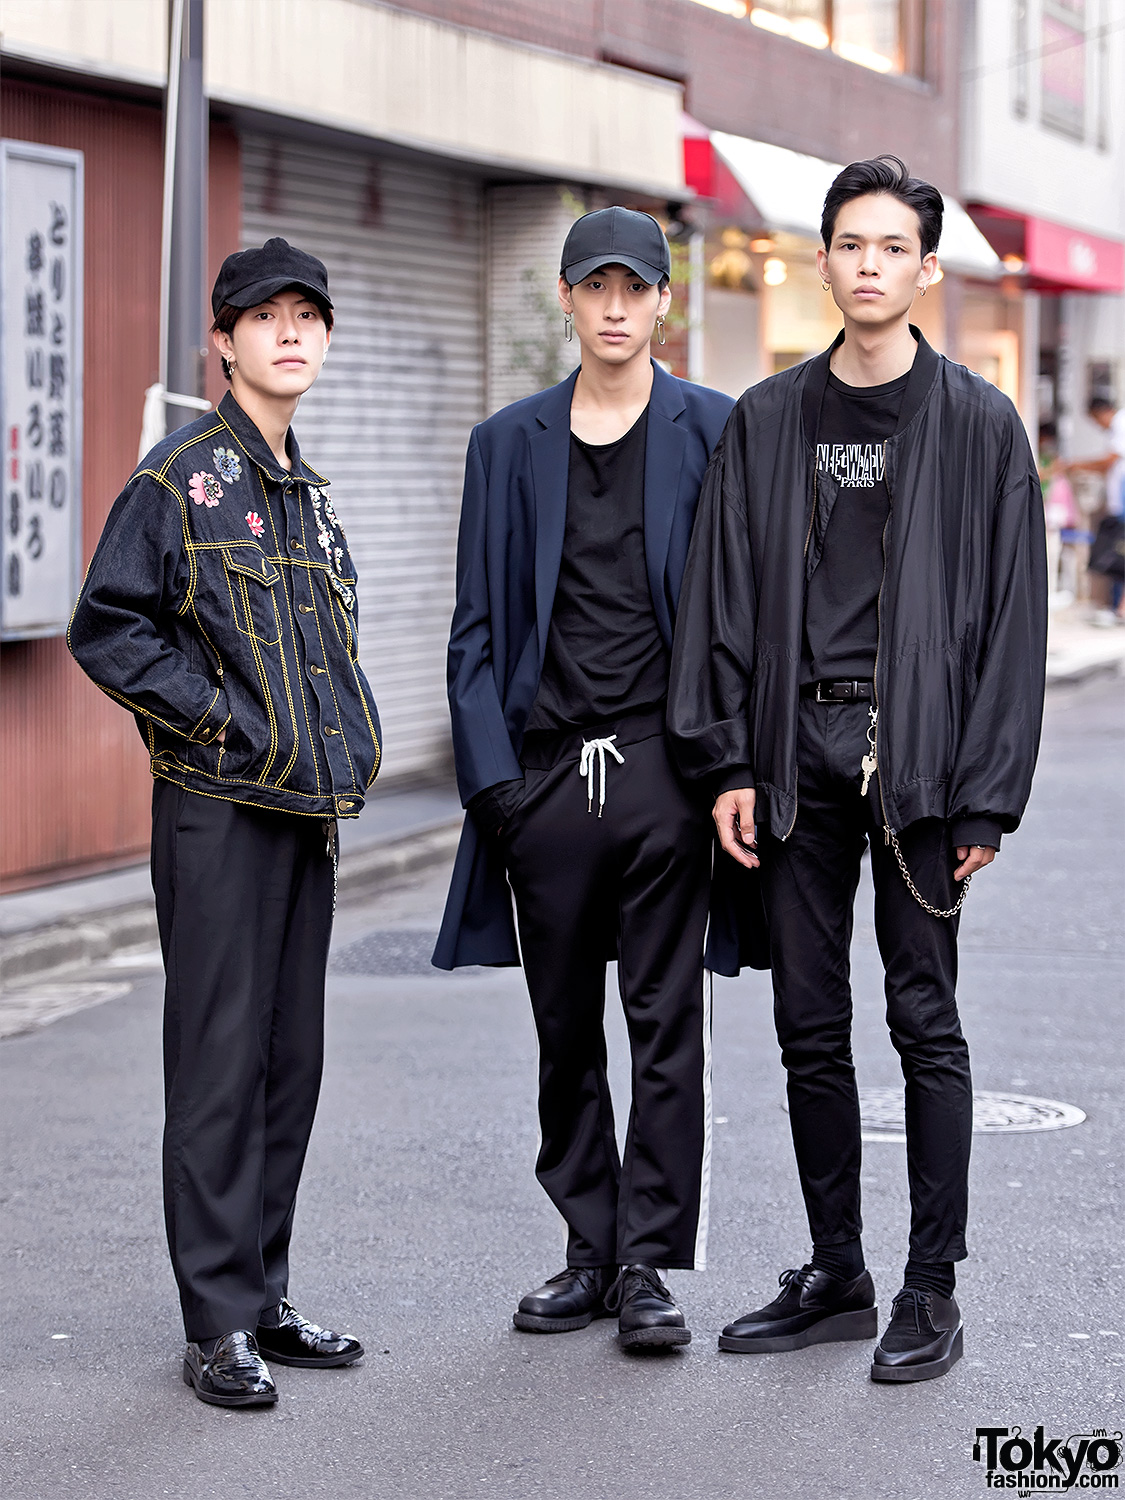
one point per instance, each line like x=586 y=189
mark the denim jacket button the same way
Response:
x=295 y=545
x=344 y=805
x=330 y=729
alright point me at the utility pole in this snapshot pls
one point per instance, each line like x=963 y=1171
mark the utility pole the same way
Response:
x=184 y=240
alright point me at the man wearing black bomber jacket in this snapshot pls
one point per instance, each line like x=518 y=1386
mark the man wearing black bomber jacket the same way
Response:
x=859 y=662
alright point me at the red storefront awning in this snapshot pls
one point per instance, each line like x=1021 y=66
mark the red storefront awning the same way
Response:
x=1055 y=257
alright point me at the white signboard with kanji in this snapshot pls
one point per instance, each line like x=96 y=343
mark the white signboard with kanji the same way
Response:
x=40 y=387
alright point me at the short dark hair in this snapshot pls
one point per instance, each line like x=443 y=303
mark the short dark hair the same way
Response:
x=664 y=281
x=228 y=315
x=1100 y=403
x=885 y=174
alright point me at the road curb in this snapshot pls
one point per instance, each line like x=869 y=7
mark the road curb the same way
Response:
x=96 y=936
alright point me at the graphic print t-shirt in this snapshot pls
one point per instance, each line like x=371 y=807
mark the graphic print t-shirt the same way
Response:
x=841 y=619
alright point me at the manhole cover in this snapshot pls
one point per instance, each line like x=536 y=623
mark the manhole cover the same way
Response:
x=882 y=1114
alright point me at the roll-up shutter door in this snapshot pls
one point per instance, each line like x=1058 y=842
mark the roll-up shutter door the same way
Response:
x=389 y=418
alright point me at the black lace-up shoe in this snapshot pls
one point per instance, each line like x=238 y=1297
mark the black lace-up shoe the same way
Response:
x=296 y=1341
x=923 y=1339
x=646 y=1315
x=234 y=1375
x=813 y=1308
x=570 y=1300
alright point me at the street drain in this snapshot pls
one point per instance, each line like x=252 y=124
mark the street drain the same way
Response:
x=882 y=1114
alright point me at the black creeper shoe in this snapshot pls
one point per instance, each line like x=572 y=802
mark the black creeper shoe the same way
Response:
x=923 y=1340
x=814 y=1308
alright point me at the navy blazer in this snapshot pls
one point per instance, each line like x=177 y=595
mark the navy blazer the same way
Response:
x=513 y=519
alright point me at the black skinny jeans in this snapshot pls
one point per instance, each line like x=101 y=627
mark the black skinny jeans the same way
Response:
x=809 y=883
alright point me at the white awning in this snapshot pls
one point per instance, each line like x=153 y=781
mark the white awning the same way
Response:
x=788 y=191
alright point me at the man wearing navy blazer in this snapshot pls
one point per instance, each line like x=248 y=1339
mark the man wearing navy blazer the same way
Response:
x=577 y=514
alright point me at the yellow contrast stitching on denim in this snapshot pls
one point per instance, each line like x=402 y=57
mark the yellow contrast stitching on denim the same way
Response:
x=328 y=674
x=296 y=651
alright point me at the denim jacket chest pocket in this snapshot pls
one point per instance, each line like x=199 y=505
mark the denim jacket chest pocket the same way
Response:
x=252 y=585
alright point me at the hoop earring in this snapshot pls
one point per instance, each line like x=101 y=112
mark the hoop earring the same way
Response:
x=921 y=291
x=568 y=326
x=660 y=329
x=827 y=285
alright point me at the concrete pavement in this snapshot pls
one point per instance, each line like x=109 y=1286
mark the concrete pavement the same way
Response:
x=420 y=1224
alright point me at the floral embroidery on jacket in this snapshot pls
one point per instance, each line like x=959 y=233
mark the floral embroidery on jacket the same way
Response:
x=205 y=489
x=228 y=463
x=255 y=522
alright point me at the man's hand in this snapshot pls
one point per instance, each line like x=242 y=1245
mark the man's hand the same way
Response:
x=973 y=857
x=734 y=818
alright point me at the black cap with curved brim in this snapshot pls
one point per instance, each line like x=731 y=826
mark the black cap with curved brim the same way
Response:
x=616 y=237
x=249 y=277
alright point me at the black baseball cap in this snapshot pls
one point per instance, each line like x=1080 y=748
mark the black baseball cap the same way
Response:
x=616 y=237
x=251 y=276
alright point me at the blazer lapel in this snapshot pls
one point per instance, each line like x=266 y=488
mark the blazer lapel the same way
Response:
x=664 y=457
x=550 y=466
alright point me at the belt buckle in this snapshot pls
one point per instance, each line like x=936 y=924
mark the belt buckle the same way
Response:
x=820 y=697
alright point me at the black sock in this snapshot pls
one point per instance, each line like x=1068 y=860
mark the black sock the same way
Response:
x=844 y=1261
x=207 y=1346
x=930 y=1276
x=270 y=1317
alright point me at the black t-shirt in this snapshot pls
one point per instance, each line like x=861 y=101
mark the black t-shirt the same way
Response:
x=841 y=619
x=605 y=654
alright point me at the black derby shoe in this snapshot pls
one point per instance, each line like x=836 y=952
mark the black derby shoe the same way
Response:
x=570 y=1300
x=923 y=1340
x=235 y=1374
x=296 y=1341
x=647 y=1317
x=814 y=1308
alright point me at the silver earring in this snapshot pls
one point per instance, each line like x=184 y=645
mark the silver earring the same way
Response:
x=921 y=291
x=568 y=326
x=660 y=329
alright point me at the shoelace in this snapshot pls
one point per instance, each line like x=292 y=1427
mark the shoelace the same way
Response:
x=919 y=1302
x=649 y=1281
x=592 y=749
x=787 y=1278
x=583 y=1273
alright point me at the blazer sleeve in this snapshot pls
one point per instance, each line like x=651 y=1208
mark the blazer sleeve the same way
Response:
x=1000 y=740
x=138 y=577
x=482 y=747
x=713 y=648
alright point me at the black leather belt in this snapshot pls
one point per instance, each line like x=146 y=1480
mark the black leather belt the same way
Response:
x=838 y=692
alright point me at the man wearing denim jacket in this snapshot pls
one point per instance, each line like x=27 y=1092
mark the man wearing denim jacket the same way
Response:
x=220 y=609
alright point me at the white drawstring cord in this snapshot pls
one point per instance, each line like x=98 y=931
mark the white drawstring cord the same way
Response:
x=590 y=749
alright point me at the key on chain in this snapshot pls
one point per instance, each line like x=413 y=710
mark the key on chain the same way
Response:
x=870 y=763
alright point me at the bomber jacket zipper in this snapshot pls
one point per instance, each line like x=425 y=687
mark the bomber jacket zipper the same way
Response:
x=804 y=557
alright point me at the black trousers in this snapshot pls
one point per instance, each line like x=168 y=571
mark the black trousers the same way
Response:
x=632 y=883
x=809 y=884
x=244 y=903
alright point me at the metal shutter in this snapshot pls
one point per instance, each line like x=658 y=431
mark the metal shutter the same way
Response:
x=389 y=418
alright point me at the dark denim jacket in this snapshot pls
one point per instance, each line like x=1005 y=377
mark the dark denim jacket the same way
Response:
x=222 y=596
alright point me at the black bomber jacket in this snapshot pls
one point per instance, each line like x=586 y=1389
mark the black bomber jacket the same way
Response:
x=221 y=597
x=960 y=663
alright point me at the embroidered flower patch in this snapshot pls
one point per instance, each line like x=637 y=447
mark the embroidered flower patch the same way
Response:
x=205 y=489
x=329 y=512
x=228 y=463
x=255 y=522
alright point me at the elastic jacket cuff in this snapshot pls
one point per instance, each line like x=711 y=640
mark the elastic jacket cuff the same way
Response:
x=975 y=830
x=736 y=779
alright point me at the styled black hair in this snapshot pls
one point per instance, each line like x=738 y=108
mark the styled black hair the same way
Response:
x=228 y=315
x=885 y=174
x=1100 y=403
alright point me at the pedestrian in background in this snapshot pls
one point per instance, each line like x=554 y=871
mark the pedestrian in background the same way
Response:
x=220 y=609
x=1107 y=552
x=859 y=662
x=577 y=512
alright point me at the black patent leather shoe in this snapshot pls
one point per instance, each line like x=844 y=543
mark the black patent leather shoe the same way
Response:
x=924 y=1338
x=647 y=1317
x=296 y=1341
x=234 y=1375
x=570 y=1300
x=814 y=1308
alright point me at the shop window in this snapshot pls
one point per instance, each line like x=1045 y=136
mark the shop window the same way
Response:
x=1063 y=66
x=885 y=35
x=1021 y=72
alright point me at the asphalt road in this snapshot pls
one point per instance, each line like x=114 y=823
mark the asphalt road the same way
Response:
x=420 y=1224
